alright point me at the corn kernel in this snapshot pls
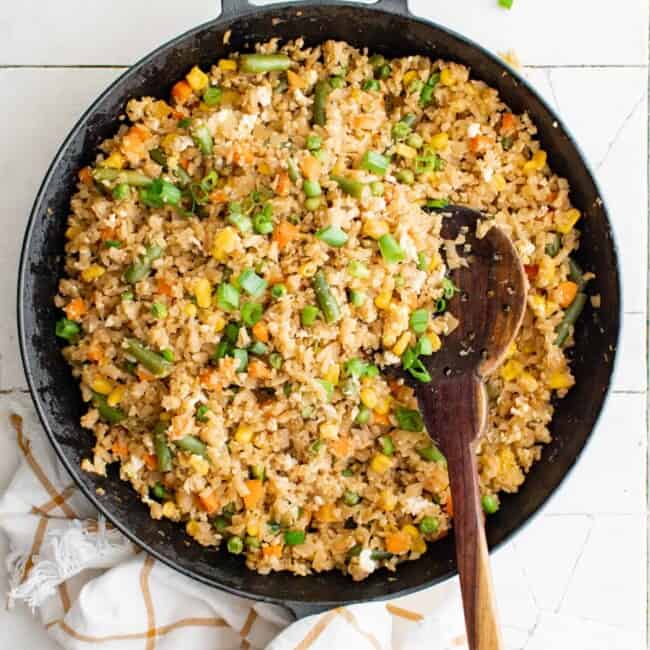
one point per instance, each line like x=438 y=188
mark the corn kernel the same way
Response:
x=559 y=380
x=333 y=374
x=197 y=79
x=565 y=222
x=528 y=382
x=92 y=273
x=512 y=350
x=355 y=93
x=72 y=232
x=199 y=464
x=203 y=293
x=389 y=339
x=227 y=65
x=499 y=182
x=101 y=386
x=405 y=151
x=434 y=264
x=440 y=141
x=192 y=528
x=511 y=370
x=328 y=430
x=325 y=514
x=539 y=158
x=447 y=77
x=419 y=545
x=507 y=461
x=308 y=269
x=409 y=77
x=368 y=398
x=170 y=510
x=165 y=416
x=411 y=531
x=264 y=169
x=383 y=406
x=295 y=80
x=538 y=303
x=115 y=396
x=401 y=344
x=224 y=243
x=244 y=434
x=387 y=501
x=375 y=228
x=161 y=109
x=114 y=161
x=380 y=463
x=219 y=324
x=436 y=343
x=168 y=142
x=382 y=301
x=190 y=310
x=252 y=529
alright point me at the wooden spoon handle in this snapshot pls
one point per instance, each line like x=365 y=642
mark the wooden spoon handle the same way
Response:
x=457 y=412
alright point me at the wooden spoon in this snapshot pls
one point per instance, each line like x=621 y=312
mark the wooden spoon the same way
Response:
x=490 y=307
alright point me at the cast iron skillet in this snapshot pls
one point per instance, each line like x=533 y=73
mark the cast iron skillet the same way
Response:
x=389 y=29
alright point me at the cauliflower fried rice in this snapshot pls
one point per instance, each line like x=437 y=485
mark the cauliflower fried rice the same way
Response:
x=245 y=261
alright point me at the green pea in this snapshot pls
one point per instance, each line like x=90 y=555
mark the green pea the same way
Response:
x=490 y=503
x=235 y=545
x=429 y=525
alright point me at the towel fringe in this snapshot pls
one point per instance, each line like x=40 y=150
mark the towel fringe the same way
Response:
x=64 y=554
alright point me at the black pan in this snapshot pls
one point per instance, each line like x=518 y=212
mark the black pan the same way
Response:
x=389 y=29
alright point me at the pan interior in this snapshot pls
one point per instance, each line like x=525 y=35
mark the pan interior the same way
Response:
x=56 y=392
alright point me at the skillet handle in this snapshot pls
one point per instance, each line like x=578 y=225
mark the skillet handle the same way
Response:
x=302 y=610
x=231 y=8
x=399 y=7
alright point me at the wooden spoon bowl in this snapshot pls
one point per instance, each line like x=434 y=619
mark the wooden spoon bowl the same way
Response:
x=490 y=308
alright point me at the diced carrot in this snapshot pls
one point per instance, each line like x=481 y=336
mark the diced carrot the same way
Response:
x=479 y=143
x=394 y=386
x=209 y=502
x=531 y=271
x=551 y=197
x=341 y=447
x=243 y=157
x=295 y=80
x=274 y=276
x=144 y=374
x=151 y=461
x=218 y=196
x=380 y=418
x=449 y=506
x=210 y=379
x=261 y=332
x=310 y=167
x=283 y=184
x=185 y=163
x=95 y=354
x=398 y=543
x=178 y=115
x=140 y=132
x=75 y=309
x=284 y=233
x=325 y=514
x=107 y=233
x=565 y=293
x=164 y=287
x=181 y=91
x=366 y=122
x=86 y=176
x=508 y=122
x=274 y=550
x=120 y=448
x=133 y=141
x=255 y=493
x=258 y=370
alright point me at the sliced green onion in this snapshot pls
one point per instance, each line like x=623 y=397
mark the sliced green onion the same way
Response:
x=242 y=357
x=308 y=315
x=387 y=445
x=448 y=288
x=258 y=348
x=160 y=193
x=314 y=142
x=201 y=413
x=355 y=367
x=424 y=347
x=431 y=454
x=405 y=176
x=423 y=263
x=203 y=139
x=377 y=188
x=227 y=297
x=242 y=222
x=263 y=223
x=328 y=387
x=390 y=250
x=276 y=360
x=554 y=245
x=158 y=310
x=426 y=94
x=363 y=416
x=333 y=236
x=121 y=191
x=383 y=71
x=437 y=203
x=112 y=243
x=252 y=283
x=357 y=298
x=375 y=162
x=371 y=84
x=311 y=188
x=419 y=320
x=358 y=269
x=294 y=537
x=278 y=290
x=441 y=306
x=408 y=419
x=251 y=313
x=212 y=95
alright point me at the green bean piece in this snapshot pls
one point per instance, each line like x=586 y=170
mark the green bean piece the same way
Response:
x=220 y=523
x=349 y=186
x=163 y=454
x=576 y=274
x=155 y=363
x=141 y=269
x=110 y=414
x=128 y=176
x=321 y=91
x=431 y=454
x=294 y=537
x=325 y=298
x=192 y=445
x=554 y=246
x=571 y=315
x=260 y=63
x=159 y=493
x=158 y=156
x=355 y=551
x=203 y=139
x=292 y=170
x=380 y=555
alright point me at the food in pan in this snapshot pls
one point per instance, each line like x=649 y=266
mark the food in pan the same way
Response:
x=248 y=259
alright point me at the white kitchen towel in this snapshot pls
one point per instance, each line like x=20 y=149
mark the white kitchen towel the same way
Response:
x=89 y=585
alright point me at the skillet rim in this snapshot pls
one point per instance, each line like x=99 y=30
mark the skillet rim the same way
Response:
x=229 y=16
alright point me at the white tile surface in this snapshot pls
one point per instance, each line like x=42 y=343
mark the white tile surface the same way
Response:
x=576 y=579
